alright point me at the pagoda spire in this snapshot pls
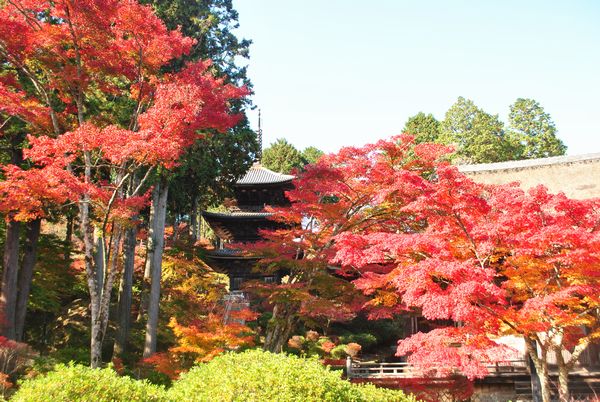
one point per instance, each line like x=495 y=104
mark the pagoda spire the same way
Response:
x=259 y=139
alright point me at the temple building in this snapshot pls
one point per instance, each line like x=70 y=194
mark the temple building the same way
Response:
x=242 y=223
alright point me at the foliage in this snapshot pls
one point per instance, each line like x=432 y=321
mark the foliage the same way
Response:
x=528 y=256
x=478 y=137
x=75 y=57
x=534 y=130
x=256 y=375
x=454 y=388
x=188 y=284
x=494 y=258
x=342 y=192
x=192 y=297
x=421 y=237
x=311 y=155
x=200 y=341
x=14 y=358
x=339 y=352
x=364 y=339
x=79 y=383
x=371 y=334
x=211 y=24
x=322 y=346
x=282 y=157
x=424 y=127
x=56 y=315
x=211 y=165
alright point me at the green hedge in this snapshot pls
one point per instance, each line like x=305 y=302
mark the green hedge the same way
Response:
x=255 y=375
x=83 y=384
x=250 y=376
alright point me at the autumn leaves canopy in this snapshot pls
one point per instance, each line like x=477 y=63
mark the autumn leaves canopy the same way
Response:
x=419 y=237
x=89 y=82
x=89 y=52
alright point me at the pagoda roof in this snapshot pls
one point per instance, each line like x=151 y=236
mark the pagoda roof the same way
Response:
x=239 y=226
x=259 y=174
x=230 y=253
x=236 y=215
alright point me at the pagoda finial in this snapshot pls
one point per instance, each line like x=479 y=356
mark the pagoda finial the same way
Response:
x=259 y=139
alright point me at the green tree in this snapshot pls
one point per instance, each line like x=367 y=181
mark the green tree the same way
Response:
x=211 y=23
x=282 y=157
x=533 y=130
x=479 y=137
x=424 y=127
x=311 y=155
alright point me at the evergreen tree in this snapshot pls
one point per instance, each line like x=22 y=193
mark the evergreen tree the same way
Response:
x=311 y=155
x=211 y=24
x=282 y=157
x=424 y=127
x=533 y=130
x=479 y=137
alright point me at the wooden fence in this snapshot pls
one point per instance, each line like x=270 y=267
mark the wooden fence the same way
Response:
x=357 y=369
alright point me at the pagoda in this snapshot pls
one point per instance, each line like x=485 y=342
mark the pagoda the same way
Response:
x=242 y=223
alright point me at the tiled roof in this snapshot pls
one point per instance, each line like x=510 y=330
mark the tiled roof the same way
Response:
x=236 y=214
x=229 y=253
x=528 y=163
x=261 y=175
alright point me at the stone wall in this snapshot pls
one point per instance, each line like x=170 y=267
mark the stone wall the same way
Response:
x=577 y=176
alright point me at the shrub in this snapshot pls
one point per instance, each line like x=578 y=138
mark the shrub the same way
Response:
x=366 y=340
x=312 y=336
x=296 y=342
x=255 y=375
x=352 y=349
x=14 y=358
x=79 y=383
x=338 y=352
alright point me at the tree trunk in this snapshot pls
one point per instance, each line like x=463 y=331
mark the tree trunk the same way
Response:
x=69 y=238
x=155 y=262
x=102 y=294
x=99 y=258
x=564 y=393
x=90 y=271
x=280 y=329
x=8 y=293
x=111 y=267
x=95 y=339
x=194 y=220
x=26 y=275
x=150 y=247
x=175 y=227
x=125 y=293
x=541 y=366
x=545 y=382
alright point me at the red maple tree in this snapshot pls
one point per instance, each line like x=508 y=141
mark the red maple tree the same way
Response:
x=76 y=55
x=493 y=260
x=479 y=261
x=344 y=192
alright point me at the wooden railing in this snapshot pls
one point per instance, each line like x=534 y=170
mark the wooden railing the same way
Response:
x=356 y=369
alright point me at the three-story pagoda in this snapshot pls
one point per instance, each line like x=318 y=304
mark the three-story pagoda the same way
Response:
x=260 y=187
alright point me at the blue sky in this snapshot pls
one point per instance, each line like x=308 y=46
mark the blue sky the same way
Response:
x=331 y=73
